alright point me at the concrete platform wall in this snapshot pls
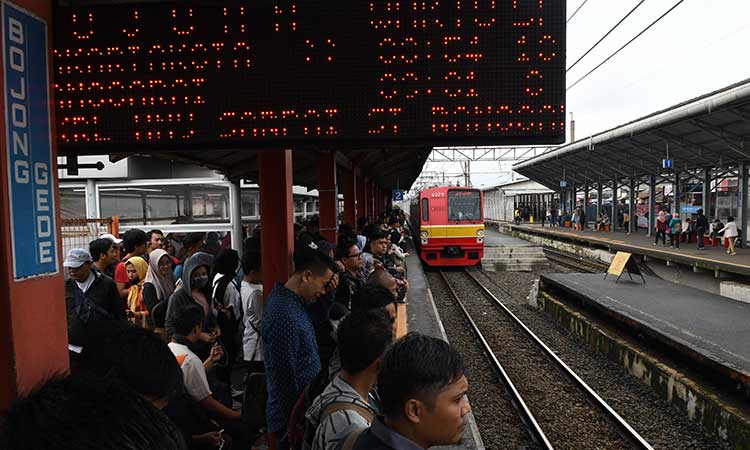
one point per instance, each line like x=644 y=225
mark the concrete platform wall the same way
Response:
x=720 y=417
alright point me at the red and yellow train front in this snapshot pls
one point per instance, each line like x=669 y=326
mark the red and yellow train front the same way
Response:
x=451 y=231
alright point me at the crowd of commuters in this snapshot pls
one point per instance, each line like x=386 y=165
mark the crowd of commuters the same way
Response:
x=167 y=339
x=669 y=228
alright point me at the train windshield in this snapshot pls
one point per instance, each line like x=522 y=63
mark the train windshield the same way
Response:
x=464 y=205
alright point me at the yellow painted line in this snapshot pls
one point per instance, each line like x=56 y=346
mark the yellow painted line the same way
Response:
x=401 y=322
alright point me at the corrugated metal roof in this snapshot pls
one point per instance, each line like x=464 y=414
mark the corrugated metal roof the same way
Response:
x=712 y=130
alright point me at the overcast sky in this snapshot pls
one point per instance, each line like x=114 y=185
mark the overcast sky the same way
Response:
x=701 y=46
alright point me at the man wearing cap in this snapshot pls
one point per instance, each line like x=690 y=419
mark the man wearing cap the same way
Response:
x=89 y=296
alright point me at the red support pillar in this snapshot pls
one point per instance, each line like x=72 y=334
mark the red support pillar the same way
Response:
x=350 y=197
x=33 y=331
x=327 y=194
x=388 y=199
x=361 y=197
x=276 y=216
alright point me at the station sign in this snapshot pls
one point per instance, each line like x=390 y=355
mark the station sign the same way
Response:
x=29 y=143
x=563 y=184
x=667 y=163
x=398 y=195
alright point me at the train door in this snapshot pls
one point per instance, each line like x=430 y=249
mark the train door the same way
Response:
x=438 y=211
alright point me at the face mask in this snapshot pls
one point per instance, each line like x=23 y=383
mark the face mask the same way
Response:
x=200 y=282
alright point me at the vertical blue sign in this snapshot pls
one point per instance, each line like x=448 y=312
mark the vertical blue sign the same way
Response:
x=29 y=143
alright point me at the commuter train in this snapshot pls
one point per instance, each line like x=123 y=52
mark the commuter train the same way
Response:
x=448 y=223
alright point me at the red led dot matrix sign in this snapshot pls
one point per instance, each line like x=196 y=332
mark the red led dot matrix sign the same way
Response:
x=313 y=73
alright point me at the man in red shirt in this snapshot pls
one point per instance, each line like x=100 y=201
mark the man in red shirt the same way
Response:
x=136 y=244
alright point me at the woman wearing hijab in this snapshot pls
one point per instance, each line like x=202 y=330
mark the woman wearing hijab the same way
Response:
x=160 y=280
x=661 y=228
x=136 y=269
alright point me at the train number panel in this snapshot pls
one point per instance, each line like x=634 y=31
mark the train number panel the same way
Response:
x=450 y=223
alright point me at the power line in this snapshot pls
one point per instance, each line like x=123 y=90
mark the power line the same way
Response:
x=626 y=44
x=576 y=11
x=608 y=33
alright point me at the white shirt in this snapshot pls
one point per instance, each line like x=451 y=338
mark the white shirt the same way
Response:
x=193 y=372
x=252 y=308
x=730 y=230
x=86 y=284
x=231 y=296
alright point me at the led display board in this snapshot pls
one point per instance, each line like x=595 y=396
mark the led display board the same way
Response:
x=264 y=74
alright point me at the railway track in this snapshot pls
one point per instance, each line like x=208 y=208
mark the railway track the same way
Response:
x=589 y=422
x=573 y=261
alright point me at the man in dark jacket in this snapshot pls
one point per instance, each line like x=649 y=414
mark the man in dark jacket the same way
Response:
x=431 y=409
x=701 y=226
x=89 y=296
x=351 y=279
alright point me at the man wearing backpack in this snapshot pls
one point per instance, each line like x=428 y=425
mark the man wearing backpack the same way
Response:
x=423 y=386
x=363 y=337
x=89 y=296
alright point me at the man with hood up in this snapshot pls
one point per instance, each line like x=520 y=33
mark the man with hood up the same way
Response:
x=194 y=288
x=363 y=338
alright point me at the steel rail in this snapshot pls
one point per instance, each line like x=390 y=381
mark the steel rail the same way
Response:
x=573 y=261
x=623 y=428
x=535 y=431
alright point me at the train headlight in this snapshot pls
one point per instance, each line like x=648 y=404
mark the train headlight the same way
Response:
x=480 y=233
x=424 y=233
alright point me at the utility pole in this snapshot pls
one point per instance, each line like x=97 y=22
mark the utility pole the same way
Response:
x=572 y=128
x=467 y=173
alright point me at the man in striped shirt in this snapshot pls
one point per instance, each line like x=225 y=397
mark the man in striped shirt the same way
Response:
x=363 y=337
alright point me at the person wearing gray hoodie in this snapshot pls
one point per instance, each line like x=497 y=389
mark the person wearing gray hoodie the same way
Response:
x=343 y=406
x=194 y=288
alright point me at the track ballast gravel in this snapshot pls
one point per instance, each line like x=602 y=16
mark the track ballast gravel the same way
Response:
x=499 y=422
x=561 y=409
x=661 y=425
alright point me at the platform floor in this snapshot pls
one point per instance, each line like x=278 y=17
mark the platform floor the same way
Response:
x=494 y=238
x=422 y=317
x=714 y=327
x=710 y=258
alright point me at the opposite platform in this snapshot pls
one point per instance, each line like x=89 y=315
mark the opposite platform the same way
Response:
x=712 y=258
x=706 y=328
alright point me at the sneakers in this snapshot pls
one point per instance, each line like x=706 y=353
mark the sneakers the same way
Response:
x=733 y=254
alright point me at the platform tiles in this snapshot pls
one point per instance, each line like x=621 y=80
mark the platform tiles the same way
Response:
x=711 y=258
x=686 y=319
x=423 y=317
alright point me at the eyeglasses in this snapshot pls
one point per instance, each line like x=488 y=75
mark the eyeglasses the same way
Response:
x=356 y=255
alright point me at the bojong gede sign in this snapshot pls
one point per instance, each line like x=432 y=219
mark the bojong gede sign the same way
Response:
x=28 y=143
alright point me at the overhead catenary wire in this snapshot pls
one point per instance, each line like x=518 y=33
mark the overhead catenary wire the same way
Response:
x=576 y=11
x=626 y=44
x=607 y=34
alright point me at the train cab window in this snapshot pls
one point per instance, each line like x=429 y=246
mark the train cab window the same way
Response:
x=425 y=210
x=464 y=205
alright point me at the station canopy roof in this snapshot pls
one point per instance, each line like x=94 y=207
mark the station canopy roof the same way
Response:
x=710 y=131
x=389 y=168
